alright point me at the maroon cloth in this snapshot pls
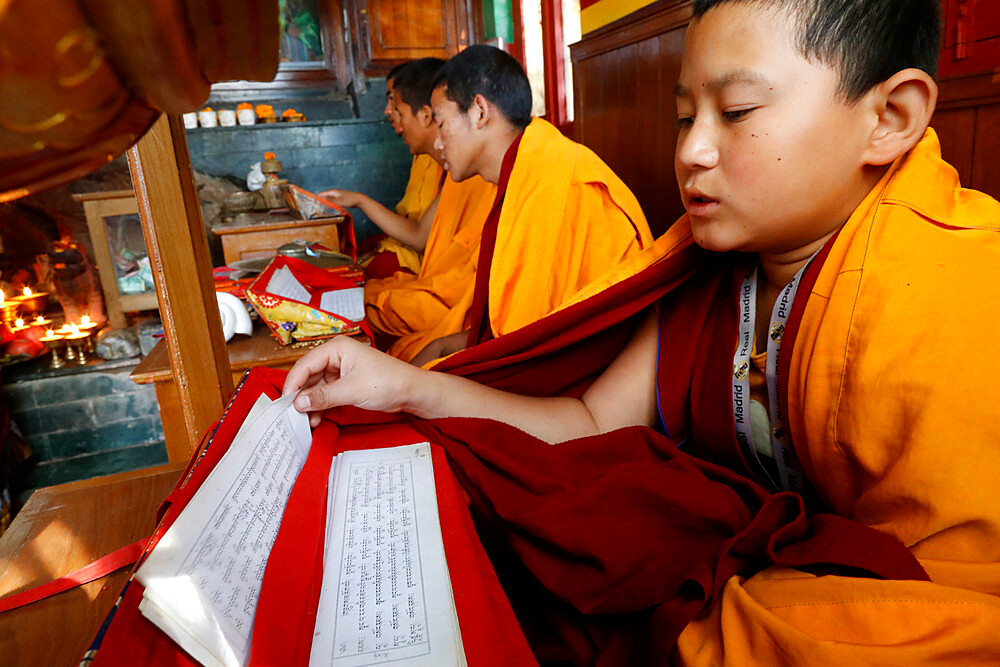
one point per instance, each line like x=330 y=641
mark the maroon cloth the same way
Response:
x=608 y=546
x=481 y=331
x=384 y=265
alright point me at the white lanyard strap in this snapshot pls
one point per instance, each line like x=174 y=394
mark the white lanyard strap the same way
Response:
x=790 y=475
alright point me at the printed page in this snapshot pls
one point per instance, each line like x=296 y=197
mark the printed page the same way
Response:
x=284 y=284
x=386 y=595
x=349 y=303
x=203 y=578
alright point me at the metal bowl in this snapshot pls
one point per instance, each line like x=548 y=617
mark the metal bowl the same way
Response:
x=240 y=202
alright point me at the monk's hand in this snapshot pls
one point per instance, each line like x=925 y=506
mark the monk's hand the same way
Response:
x=346 y=372
x=345 y=198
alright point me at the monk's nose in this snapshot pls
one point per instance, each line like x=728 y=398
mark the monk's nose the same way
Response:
x=696 y=148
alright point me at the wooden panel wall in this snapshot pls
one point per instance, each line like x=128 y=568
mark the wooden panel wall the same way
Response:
x=968 y=122
x=623 y=80
x=393 y=31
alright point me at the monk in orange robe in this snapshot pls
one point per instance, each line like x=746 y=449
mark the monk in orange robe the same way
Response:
x=406 y=305
x=561 y=217
x=832 y=344
x=409 y=225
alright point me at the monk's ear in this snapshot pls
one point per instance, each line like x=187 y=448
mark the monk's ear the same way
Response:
x=902 y=106
x=426 y=115
x=481 y=111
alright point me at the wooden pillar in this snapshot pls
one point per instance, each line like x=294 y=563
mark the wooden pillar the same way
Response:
x=182 y=271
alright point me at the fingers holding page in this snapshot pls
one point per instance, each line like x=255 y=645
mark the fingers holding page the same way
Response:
x=346 y=372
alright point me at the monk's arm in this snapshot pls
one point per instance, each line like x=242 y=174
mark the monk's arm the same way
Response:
x=345 y=372
x=401 y=228
x=441 y=347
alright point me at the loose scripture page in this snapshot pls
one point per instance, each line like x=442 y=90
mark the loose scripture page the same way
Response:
x=348 y=303
x=203 y=578
x=284 y=284
x=386 y=594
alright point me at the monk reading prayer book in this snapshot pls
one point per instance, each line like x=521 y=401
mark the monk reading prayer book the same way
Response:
x=386 y=592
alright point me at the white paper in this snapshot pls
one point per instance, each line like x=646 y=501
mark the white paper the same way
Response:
x=386 y=593
x=348 y=303
x=284 y=284
x=203 y=578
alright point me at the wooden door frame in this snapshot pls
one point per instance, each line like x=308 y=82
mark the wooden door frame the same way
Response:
x=170 y=212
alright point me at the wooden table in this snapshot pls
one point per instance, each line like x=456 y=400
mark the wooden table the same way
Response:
x=260 y=234
x=59 y=530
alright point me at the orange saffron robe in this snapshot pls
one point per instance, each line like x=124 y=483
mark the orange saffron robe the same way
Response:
x=422 y=188
x=894 y=410
x=566 y=220
x=404 y=303
x=421 y=191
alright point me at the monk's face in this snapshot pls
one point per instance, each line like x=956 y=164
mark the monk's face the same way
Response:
x=390 y=111
x=457 y=141
x=417 y=128
x=768 y=158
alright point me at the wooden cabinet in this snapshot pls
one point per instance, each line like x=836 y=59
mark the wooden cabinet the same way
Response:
x=119 y=209
x=967 y=118
x=971 y=36
x=392 y=31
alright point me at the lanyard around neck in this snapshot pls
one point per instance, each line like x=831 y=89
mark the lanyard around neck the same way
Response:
x=790 y=477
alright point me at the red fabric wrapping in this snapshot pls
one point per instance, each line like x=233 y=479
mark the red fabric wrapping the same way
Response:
x=98 y=569
x=292 y=579
x=286 y=609
x=127 y=638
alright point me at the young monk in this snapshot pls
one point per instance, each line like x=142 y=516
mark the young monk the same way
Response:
x=409 y=225
x=425 y=171
x=841 y=239
x=389 y=112
x=561 y=218
x=403 y=305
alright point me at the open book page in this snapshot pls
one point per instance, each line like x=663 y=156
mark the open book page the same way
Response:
x=386 y=594
x=348 y=303
x=203 y=578
x=283 y=283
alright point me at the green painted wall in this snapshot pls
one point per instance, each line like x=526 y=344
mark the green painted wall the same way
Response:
x=498 y=20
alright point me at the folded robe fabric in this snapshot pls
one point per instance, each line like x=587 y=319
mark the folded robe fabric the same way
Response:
x=403 y=303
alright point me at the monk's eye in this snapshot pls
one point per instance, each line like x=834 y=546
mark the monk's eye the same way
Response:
x=685 y=121
x=737 y=115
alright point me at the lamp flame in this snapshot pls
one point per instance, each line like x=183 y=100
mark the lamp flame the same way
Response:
x=27 y=291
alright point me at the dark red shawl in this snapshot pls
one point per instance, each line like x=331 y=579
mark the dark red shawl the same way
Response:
x=609 y=545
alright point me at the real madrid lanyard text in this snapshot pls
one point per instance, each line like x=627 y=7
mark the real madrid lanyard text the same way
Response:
x=787 y=463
